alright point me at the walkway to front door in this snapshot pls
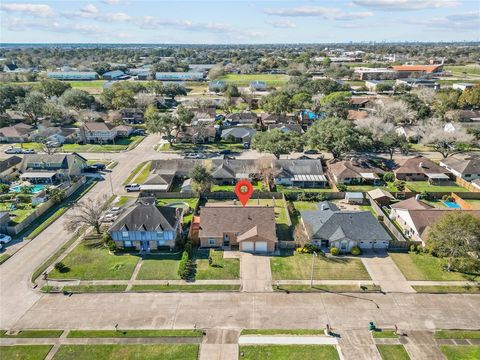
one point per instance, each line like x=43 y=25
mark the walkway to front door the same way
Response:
x=255 y=273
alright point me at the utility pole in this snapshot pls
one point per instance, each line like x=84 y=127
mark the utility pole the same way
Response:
x=314 y=254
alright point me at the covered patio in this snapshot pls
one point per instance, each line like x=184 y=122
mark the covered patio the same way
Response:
x=39 y=177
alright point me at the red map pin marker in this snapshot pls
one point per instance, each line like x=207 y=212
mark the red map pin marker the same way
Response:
x=244 y=190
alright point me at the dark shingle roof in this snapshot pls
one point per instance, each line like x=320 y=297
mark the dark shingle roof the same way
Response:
x=143 y=217
x=464 y=164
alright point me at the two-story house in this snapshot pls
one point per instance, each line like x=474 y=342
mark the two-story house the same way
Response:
x=41 y=168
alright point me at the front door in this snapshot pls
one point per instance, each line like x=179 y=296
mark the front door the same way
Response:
x=226 y=240
x=145 y=243
x=344 y=246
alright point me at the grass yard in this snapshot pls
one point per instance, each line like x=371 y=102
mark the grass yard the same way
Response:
x=192 y=203
x=457 y=334
x=143 y=174
x=134 y=172
x=185 y=288
x=34 y=334
x=298 y=267
x=132 y=333
x=329 y=288
x=245 y=79
x=461 y=352
x=424 y=267
x=122 y=201
x=287 y=189
x=384 y=334
x=440 y=289
x=256 y=186
x=24 y=352
x=21 y=212
x=160 y=267
x=127 y=352
x=90 y=260
x=95 y=288
x=393 y=352
x=223 y=269
x=420 y=186
x=298 y=332
x=289 y=352
x=4 y=257
x=464 y=71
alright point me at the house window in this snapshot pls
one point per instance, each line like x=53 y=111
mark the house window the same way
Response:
x=160 y=235
x=160 y=242
x=127 y=244
x=125 y=234
x=468 y=175
x=211 y=241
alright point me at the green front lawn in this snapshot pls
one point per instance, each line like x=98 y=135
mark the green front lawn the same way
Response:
x=298 y=267
x=91 y=260
x=288 y=352
x=223 y=269
x=24 y=352
x=420 y=186
x=21 y=212
x=461 y=352
x=441 y=289
x=160 y=267
x=4 y=257
x=213 y=147
x=134 y=173
x=185 y=288
x=127 y=352
x=95 y=288
x=457 y=334
x=287 y=189
x=393 y=352
x=245 y=79
x=424 y=267
x=142 y=176
x=384 y=334
x=329 y=288
x=34 y=334
x=119 y=145
x=132 y=333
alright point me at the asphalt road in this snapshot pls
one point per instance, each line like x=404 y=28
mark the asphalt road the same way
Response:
x=22 y=307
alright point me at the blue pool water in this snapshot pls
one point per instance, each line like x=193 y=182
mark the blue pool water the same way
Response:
x=451 y=205
x=35 y=188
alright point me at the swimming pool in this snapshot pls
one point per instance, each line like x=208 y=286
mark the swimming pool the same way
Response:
x=35 y=188
x=451 y=204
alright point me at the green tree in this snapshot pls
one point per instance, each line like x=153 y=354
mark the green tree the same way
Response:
x=383 y=87
x=231 y=91
x=52 y=87
x=76 y=99
x=391 y=142
x=444 y=101
x=337 y=136
x=277 y=142
x=173 y=90
x=9 y=96
x=326 y=61
x=336 y=104
x=470 y=98
x=301 y=100
x=202 y=180
x=157 y=122
x=455 y=236
x=276 y=103
x=32 y=105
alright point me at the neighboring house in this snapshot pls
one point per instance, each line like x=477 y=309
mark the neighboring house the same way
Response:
x=132 y=116
x=238 y=134
x=287 y=128
x=157 y=183
x=406 y=71
x=187 y=186
x=355 y=171
x=179 y=76
x=242 y=118
x=251 y=228
x=114 y=75
x=465 y=167
x=100 y=132
x=224 y=175
x=145 y=227
x=41 y=168
x=354 y=115
x=73 y=75
x=123 y=130
x=270 y=119
x=217 y=85
x=197 y=134
x=9 y=168
x=416 y=217
x=300 y=173
x=258 y=85
x=17 y=133
x=364 y=73
x=357 y=103
x=420 y=168
x=371 y=85
x=383 y=197
x=462 y=86
x=10 y=67
x=329 y=226
x=57 y=134
x=418 y=83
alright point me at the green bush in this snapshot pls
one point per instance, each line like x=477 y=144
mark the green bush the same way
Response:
x=186 y=267
x=356 y=251
x=24 y=199
x=334 y=251
x=61 y=267
x=424 y=195
x=413 y=247
x=389 y=177
x=311 y=196
x=448 y=198
x=400 y=185
x=342 y=187
x=4 y=188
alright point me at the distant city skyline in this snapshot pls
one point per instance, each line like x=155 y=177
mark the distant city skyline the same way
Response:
x=237 y=22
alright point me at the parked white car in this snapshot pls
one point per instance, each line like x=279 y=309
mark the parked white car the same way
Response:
x=132 y=187
x=115 y=210
x=5 y=239
x=108 y=218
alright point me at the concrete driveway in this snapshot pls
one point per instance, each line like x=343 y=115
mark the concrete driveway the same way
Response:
x=385 y=272
x=255 y=273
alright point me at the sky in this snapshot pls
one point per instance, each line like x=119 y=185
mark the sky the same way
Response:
x=239 y=21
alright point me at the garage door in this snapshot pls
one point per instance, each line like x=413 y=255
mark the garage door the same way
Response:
x=261 y=246
x=247 y=246
x=380 y=245
x=366 y=245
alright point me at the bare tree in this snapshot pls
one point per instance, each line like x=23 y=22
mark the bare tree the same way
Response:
x=447 y=143
x=425 y=94
x=90 y=116
x=397 y=112
x=143 y=100
x=86 y=213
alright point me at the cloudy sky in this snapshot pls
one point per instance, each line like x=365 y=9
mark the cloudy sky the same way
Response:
x=239 y=21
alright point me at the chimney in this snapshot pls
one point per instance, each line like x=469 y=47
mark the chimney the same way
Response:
x=323 y=207
x=420 y=165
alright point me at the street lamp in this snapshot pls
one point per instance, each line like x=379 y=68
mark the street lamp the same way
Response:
x=314 y=254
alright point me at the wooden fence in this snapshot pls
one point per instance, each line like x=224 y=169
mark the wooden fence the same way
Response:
x=467 y=185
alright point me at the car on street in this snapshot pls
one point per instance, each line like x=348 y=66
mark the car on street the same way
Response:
x=98 y=166
x=5 y=239
x=109 y=218
x=225 y=152
x=13 y=150
x=28 y=151
x=132 y=187
x=115 y=210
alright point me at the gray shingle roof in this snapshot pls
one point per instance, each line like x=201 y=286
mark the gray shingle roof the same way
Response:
x=143 y=217
x=332 y=224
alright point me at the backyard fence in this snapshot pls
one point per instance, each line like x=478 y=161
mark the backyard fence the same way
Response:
x=467 y=185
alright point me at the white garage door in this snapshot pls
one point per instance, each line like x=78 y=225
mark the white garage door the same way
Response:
x=247 y=246
x=366 y=245
x=261 y=246
x=380 y=245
